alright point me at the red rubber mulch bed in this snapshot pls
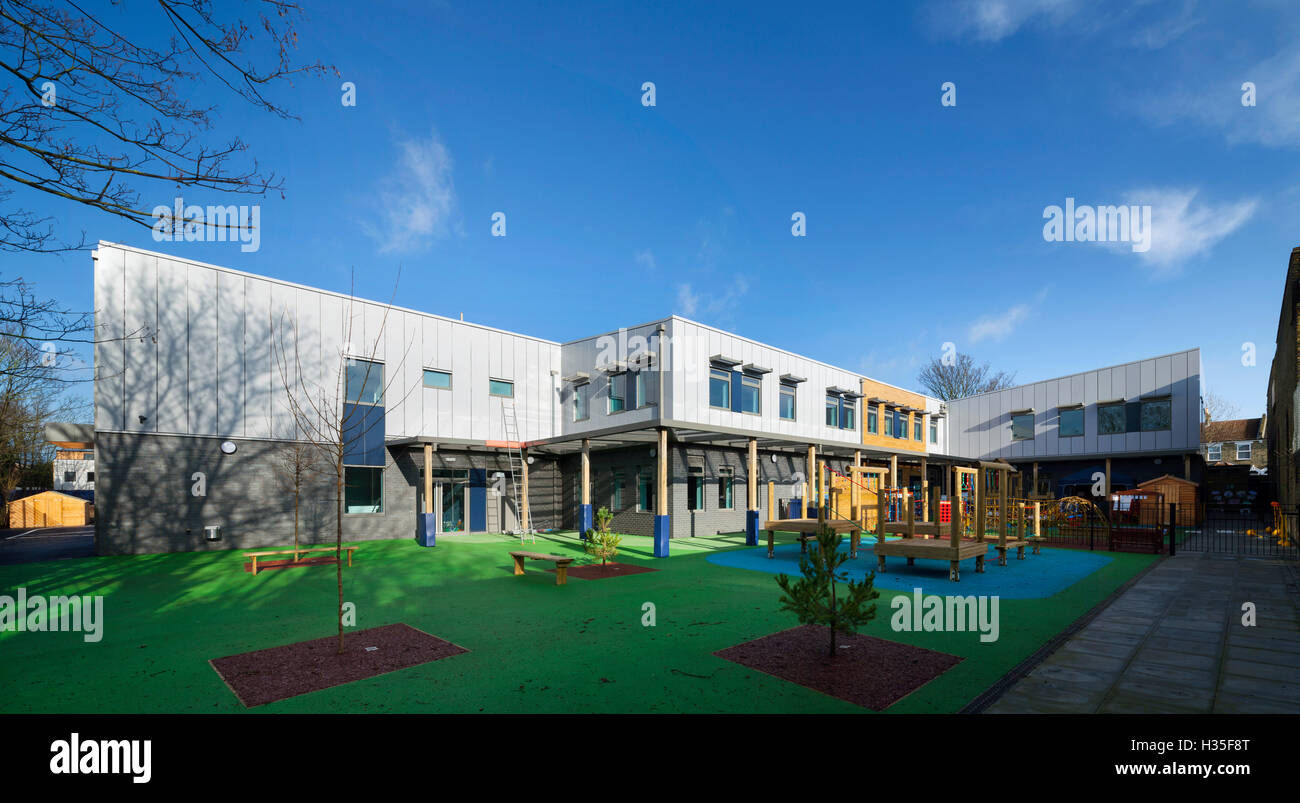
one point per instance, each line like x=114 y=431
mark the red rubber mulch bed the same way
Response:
x=595 y=571
x=263 y=565
x=264 y=676
x=867 y=671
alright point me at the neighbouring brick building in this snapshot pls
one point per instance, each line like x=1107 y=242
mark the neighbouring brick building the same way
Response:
x=1283 y=446
x=1238 y=442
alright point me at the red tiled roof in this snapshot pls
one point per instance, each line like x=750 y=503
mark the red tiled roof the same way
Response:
x=1239 y=429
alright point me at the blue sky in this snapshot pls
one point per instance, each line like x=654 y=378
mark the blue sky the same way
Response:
x=924 y=222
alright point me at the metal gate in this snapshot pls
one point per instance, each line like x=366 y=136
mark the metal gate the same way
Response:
x=1266 y=532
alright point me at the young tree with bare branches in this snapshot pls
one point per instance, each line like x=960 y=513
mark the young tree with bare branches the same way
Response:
x=296 y=465
x=326 y=414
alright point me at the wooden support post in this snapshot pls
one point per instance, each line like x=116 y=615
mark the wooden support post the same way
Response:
x=1187 y=467
x=925 y=491
x=823 y=493
x=954 y=502
x=661 y=473
x=979 y=504
x=524 y=515
x=586 y=471
x=810 y=479
x=855 y=497
x=911 y=514
x=1002 y=517
x=880 y=511
x=771 y=500
x=428 y=478
x=751 y=487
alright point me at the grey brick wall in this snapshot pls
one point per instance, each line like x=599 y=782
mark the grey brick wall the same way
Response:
x=144 y=502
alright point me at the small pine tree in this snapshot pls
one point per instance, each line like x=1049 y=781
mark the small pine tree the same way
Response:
x=814 y=598
x=600 y=541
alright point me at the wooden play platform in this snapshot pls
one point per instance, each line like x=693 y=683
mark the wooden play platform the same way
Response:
x=933 y=549
x=807 y=529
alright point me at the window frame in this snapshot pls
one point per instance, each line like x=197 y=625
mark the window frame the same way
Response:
x=366 y=376
x=377 y=471
x=695 y=488
x=618 y=381
x=1167 y=403
x=1249 y=447
x=493 y=381
x=1101 y=417
x=751 y=383
x=791 y=391
x=726 y=489
x=1060 y=422
x=832 y=411
x=424 y=378
x=582 y=394
x=1214 y=451
x=725 y=379
x=1032 y=426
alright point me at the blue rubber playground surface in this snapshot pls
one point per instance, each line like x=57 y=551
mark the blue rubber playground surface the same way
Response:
x=1035 y=577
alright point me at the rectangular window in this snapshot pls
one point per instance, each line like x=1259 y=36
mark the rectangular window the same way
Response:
x=832 y=411
x=1110 y=419
x=69 y=476
x=900 y=424
x=1022 y=426
x=645 y=492
x=501 y=387
x=695 y=489
x=1214 y=452
x=365 y=380
x=581 y=402
x=363 y=490
x=1071 y=423
x=872 y=420
x=719 y=388
x=1243 y=451
x=751 y=393
x=617 y=393
x=642 y=388
x=90 y=476
x=437 y=379
x=848 y=413
x=616 y=495
x=726 y=478
x=916 y=427
x=934 y=431
x=788 y=402
x=1156 y=415
x=889 y=423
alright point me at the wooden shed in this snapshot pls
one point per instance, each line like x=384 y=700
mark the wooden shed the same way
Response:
x=49 y=509
x=1176 y=489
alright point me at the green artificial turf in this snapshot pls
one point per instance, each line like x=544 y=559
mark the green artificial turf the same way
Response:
x=534 y=646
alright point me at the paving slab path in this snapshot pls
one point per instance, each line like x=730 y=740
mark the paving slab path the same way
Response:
x=1174 y=642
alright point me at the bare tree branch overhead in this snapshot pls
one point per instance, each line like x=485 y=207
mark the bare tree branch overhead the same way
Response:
x=960 y=377
x=91 y=115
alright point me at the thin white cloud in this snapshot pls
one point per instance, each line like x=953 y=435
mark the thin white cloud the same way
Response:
x=994 y=20
x=417 y=201
x=1215 y=102
x=719 y=307
x=998 y=326
x=645 y=259
x=1183 y=227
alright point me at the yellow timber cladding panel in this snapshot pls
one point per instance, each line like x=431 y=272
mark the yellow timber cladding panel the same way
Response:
x=893 y=399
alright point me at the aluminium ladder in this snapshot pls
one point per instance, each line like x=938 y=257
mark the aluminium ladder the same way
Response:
x=517 y=468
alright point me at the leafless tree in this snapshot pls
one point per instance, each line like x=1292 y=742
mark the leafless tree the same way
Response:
x=296 y=465
x=325 y=414
x=96 y=107
x=961 y=377
x=1217 y=408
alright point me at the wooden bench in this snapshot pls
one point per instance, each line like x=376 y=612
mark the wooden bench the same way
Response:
x=253 y=556
x=560 y=561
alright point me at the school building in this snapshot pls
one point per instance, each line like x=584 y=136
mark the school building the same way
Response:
x=204 y=375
